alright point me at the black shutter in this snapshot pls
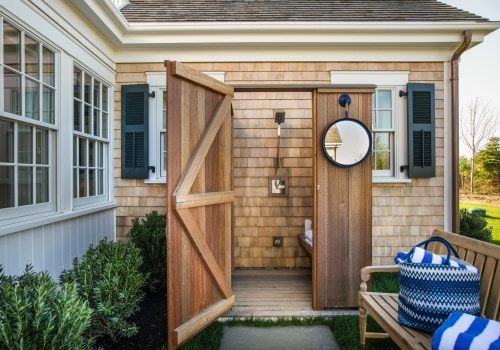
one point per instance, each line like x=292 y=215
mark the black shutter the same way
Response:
x=135 y=115
x=421 y=130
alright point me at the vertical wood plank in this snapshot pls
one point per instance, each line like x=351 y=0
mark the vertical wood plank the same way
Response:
x=315 y=280
x=177 y=245
x=343 y=211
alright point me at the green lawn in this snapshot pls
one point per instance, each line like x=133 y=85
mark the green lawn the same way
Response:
x=492 y=217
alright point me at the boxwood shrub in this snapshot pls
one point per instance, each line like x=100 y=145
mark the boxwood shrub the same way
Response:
x=108 y=276
x=149 y=236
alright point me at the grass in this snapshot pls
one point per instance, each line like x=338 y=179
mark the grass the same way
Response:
x=492 y=217
x=345 y=329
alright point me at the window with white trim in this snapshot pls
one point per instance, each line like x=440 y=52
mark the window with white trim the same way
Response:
x=383 y=134
x=158 y=135
x=90 y=137
x=389 y=122
x=162 y=133
x=158 y=123
x=27 y=124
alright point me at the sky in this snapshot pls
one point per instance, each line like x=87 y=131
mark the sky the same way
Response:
x=479 y=67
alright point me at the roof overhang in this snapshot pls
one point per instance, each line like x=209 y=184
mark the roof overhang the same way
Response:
x=245 y=37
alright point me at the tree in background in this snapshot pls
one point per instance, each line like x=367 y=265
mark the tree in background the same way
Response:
x=478 y=123
x=464 y=171
x=489 y=161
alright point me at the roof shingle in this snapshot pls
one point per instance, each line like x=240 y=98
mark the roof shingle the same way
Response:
x=165 y=11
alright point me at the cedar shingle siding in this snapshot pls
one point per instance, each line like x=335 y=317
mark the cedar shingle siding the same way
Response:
x=292 y=10
x=403 y=214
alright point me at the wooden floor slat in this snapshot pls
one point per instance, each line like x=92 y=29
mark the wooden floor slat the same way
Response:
x=275 y=293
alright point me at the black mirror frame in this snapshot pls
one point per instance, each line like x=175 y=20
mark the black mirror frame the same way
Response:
x=368 y=151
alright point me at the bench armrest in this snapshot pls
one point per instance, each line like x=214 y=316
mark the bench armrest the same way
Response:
x=365 y=273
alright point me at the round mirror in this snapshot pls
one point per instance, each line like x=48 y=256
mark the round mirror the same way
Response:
x=347 y=142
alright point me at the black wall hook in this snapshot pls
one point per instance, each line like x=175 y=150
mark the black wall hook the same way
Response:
x=344 y=100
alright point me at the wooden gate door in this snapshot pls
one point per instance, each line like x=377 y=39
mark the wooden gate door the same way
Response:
x=199 y=201
x=343 y=208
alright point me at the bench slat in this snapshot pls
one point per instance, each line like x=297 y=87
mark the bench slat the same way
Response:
x=383 y=307
x=494 y=297
x=304 y=244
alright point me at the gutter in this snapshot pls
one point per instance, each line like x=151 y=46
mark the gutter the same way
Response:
x=467 y=37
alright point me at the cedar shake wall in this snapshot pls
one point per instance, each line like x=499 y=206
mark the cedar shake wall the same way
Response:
x=134 y=198
x=403 y=214
x=258 y=216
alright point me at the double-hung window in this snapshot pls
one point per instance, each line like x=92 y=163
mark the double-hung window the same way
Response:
x=28 y=126
x=383 y=132
x=389 y=120
x=90 y=137
x=157 y=127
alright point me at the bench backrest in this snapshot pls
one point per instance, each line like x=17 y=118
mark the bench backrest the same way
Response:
x=486 y=257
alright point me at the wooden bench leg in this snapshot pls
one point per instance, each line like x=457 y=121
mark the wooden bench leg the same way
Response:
x=362 y=325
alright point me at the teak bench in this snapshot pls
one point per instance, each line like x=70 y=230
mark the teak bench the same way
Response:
x=304 y=244
x=383 y=307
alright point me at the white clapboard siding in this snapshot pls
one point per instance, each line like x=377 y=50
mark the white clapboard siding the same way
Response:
x=53 y=247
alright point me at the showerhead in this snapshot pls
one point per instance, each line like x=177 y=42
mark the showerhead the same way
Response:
x=279 y=117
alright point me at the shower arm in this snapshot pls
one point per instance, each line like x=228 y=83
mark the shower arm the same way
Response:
x=278 y=159
x=279 y=117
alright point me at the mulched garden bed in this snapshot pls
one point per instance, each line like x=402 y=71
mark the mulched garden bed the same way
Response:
x=152 y=322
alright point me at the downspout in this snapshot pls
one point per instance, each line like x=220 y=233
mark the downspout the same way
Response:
x=455 y=157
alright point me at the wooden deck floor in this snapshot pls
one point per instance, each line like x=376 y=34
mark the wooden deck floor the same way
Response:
x=275 y=293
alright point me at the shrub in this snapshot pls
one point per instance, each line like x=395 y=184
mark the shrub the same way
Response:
x=474 y=225
x=36 y=314
x=149 y=236
x=108 y=277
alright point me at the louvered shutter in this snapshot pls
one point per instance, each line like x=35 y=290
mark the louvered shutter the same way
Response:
x=421 y=130
x=135 y=112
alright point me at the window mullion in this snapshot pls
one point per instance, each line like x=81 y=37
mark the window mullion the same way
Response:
x=87 y=167
x=22 y=71
x=16 y=165
x=91 y=107
x=81 y=99
x=40 y=84
x=33 y=165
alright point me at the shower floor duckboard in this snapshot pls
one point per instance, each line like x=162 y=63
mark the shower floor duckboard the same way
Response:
x=276 y=293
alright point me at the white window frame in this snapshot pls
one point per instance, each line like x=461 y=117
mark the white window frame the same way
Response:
x=157 y=83
x=13 y=214
x=391 y=131
x=104 y=141
x=385 y=80
x=66 y=51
